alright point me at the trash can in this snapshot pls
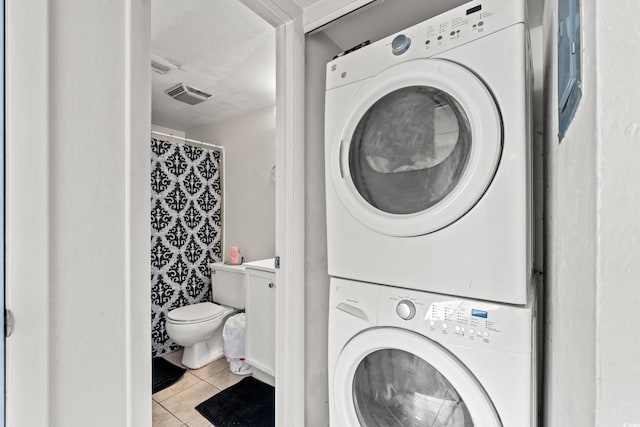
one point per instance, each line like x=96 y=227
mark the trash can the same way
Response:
x=233 y=335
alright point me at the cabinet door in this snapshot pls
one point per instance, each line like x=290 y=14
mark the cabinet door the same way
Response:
x=261 y=334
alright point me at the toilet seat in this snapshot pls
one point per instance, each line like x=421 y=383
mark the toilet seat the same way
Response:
x=196 y=313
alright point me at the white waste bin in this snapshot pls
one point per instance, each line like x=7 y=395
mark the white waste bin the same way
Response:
x=233 y=337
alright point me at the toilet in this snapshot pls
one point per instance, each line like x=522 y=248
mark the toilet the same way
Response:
x=198 y=327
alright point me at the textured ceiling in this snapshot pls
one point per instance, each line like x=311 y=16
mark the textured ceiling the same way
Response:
x=218 y=46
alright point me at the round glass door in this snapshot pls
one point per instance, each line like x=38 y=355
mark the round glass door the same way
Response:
x=390 y=377
x=410 y=150
x=392 y=387
x=418 y=147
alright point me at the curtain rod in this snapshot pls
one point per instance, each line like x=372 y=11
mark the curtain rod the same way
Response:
x=194 y=141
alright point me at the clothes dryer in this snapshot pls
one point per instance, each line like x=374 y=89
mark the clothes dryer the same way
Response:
x=401 y=357
x=428 y=156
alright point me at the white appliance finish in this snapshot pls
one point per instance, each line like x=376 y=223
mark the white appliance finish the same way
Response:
x=447 y=208
x=459 y=361
x=261 y=319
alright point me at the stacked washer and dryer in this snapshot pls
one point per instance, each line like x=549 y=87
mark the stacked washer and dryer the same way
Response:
x=432 y=318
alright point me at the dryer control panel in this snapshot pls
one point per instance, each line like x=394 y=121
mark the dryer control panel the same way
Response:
x=453 y=28
x=475 y=21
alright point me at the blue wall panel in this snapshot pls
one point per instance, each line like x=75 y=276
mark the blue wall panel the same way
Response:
x=569 y=63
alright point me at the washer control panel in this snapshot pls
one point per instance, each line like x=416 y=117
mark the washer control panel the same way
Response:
x=455 y=320
x=461 y=318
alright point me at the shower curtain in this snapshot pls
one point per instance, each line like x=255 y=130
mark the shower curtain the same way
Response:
x=186 y=230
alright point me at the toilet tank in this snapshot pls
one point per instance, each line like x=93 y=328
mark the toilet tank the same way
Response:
x=228 y=285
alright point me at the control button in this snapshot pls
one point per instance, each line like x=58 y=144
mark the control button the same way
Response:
x=485 y=334
x=457 y=328
x=479 y=333
x=444 y=326
x=471 y=331
x=432 y=323
x=439 y=37
x=406 y=310
x=453 y=33
x=400 y=44
x=474 y=25
x=480 y=24
x=427 y=42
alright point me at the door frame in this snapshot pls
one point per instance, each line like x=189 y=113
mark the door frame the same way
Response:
x=286 y=17
x=3 y=327
x=27 y=211
x=290 y=226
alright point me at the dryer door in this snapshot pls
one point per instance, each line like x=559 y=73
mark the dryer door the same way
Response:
x=417 y=147
x=392 y=377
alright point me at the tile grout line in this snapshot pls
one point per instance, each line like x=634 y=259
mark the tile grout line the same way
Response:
x=210 y=374
x=172 y=414
x=185 y=423
x=184 y=389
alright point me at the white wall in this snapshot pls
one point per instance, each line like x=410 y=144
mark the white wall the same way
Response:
x=319 y=49
x=618 y=228
x=593 y=202
x=27 y=212
x=91 y=226
x=249 y=192
x=569 y=395
x=99 y=218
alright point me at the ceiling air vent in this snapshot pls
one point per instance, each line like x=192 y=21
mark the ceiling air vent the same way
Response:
x=187 y=94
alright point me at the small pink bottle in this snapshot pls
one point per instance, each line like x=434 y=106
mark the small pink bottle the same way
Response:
x=235 y=257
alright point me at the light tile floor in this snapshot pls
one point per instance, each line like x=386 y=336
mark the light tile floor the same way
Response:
x=175 y=406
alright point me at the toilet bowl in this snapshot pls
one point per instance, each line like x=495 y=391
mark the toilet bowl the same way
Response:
x=198 y=327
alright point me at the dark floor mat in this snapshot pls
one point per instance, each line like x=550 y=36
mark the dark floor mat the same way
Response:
x=248 y=403
x=165 y=373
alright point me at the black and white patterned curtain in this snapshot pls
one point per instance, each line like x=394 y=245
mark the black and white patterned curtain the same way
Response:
x=186 y=230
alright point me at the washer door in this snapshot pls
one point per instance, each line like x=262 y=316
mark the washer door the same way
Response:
x=392 y=377
x=418 y=147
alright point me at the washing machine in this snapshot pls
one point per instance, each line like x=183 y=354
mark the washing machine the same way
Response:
x=400 y=357
x=428 y=156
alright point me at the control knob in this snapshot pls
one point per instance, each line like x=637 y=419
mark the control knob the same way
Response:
x=400 y=44
x=406 y=309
